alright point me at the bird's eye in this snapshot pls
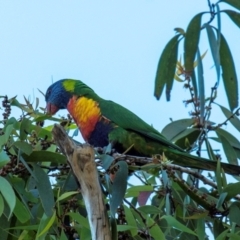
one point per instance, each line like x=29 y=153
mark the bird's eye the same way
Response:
x=48 y=93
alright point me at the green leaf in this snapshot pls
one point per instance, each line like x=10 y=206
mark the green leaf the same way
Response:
x=21 y=212
x=119 y=186
x=63 y=235
x=232 y=189
x=234 y=213
x=43 y=223
x=4 y=158
x=148 y=209
x=23 y=146
x=48 y=224
x=201 y=228
x=214 y=46
x=66 y=195
x=191 y=42
x=134 y=191
x=25 y=128
x=4 y=224
x=235 y=16
x=7 y=131
x=45 y=156
x=45 y=190
x=174 y=128
x=107 y=160
x=1 y=205
x=8 y=194
x=218 y=229
x=210 y=152
x=233 y=140
x=114 y=228
x=173 y=222
x=234 y=3
x=201 y=88
x=80 y=219
x=131 y=221
x=154 y=230
x=84 y=234
x=221 y=200
x=187 y=138
x=166 y=68
x=228 y=150
x=123 y=228
x=218 y=177
x=229 y=74
x=232 y=118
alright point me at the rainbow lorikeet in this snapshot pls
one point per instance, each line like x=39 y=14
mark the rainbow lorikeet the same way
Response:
x=102 y=122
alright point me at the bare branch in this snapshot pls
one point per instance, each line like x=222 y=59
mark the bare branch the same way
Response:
x=82 y=160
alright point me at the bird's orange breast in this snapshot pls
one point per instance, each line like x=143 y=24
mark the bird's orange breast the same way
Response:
x=86 y=113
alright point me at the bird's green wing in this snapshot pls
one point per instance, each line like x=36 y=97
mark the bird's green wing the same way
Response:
x=130 y=121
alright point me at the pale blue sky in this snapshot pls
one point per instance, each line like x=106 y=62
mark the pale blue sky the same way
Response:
x=113 y=46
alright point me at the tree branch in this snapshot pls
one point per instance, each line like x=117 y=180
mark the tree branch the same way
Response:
x=82 y=160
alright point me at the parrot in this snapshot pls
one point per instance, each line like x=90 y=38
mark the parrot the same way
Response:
x=102 y=122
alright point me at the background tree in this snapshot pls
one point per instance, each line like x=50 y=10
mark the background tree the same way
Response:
x=39 y=195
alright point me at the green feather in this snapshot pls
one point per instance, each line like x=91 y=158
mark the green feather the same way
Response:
x=132 y=130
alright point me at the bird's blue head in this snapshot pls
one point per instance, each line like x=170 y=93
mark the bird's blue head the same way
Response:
x=57 y=96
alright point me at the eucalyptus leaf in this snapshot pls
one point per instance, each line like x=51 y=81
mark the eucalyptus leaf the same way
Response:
x=45 y=190
x=166 y=68
x=234 y=16
x=234 y=3
x=8 y=194
x=119 y=186
x=191 y=42
x=229 y=74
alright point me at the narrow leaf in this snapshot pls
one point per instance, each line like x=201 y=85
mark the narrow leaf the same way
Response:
x=44 y=189
x=119 y=186
x=228 y=150
x=191 y=42
x=232 y=118
x=49 y=223
x=201 y=228
x=135 y=190
x=214 y=46
x=176 y=127
x=229 y=74
x=221 y=200
x=45 y=156
x=8 y=194
x=131 y=221
x=154 y=230
x=1 y=205
x=25 y=128
x=210 y=152
x=173 y=222
x=148 y=209
x=201 y=88
x=4 y=158
x=235 y=16
x=80 y=219
x=21 y=212
x=234 y=3
x=66 y=195
x=232 y=189
x=234 y=213
x=23 y=146
x=166 y=68
x=107 y=160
